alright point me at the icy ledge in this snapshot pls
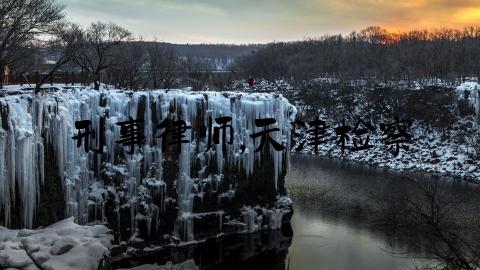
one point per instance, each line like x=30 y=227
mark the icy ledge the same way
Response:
x=63 y=245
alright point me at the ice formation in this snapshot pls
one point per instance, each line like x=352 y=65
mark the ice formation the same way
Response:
x=30 y=123
x=471 y=92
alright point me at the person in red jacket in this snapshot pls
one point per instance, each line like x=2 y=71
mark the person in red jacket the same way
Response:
x=251 y=81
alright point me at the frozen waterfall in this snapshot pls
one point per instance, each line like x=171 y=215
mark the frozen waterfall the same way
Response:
x=30 y=123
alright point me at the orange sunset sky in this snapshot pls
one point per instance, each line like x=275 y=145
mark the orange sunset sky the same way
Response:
x=261 y=21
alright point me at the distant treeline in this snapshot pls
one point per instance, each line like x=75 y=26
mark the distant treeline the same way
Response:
x=221 y=51
x=39 y=45
x=372 y=53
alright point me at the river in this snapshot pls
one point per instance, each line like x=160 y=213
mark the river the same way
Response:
x=346 y=216
x=324 y=240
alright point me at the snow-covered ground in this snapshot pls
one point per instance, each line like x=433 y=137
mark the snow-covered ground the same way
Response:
x=63 y=245
x=428 y=151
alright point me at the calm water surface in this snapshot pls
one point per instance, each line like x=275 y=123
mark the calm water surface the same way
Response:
x=324 y=241
x=320 y=243
x=321 y=239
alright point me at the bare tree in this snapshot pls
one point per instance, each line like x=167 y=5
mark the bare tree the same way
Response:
x=100 y=40
x=198 y=71
x=372 y=54
x=437 y=211
x=162 y=65
x=128 y=62
x=64 y=42
x=21 y=21
x=26 y=65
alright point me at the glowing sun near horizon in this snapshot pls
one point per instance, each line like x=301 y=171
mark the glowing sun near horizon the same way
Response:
x=253 y=21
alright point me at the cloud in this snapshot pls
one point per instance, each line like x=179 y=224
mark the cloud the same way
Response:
x=268 y=20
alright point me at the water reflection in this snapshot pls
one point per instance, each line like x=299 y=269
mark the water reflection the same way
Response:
x=350 y=216
x=346 y=216
x=320 y=242
x=265 y=250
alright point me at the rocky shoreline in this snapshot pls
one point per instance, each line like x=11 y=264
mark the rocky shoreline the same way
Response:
x=425 y=155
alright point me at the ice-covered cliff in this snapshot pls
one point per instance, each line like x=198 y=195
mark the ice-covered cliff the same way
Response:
x=150 y=188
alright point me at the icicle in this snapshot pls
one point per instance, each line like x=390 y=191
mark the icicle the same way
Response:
x=274 y=217
x=220 y=220
x=249 y=219
x=50 y=119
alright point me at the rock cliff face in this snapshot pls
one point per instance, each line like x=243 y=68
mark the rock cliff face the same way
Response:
x=189 y=191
